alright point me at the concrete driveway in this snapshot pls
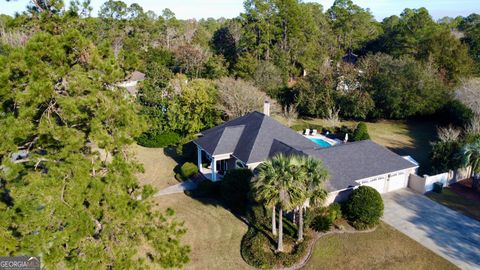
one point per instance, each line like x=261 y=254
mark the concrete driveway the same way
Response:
x=444 y=231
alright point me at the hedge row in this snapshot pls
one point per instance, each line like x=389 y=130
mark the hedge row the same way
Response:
x=154 y=139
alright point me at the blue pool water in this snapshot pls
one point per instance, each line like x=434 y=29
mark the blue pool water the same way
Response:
x=320 y=142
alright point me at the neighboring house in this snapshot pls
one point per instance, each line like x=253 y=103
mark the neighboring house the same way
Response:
x=247 y=141
x=130 y=83
x=350 y=58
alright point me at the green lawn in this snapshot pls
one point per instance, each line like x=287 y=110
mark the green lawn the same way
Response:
x=456 y=202
x=213 y=233
x=403 y=137
x=385 y=248
x=157 y=165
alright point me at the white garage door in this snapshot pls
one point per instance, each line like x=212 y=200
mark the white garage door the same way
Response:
x=396 y=181
x=376 y=183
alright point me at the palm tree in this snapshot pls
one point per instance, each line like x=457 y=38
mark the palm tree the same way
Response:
x=471 y=157
x=281 y=187
x=265 y=188
x=315 y=174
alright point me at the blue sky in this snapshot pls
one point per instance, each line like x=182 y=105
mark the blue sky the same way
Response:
x=230 y=8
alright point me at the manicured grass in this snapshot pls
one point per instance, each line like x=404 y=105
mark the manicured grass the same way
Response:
x=214 y=234
x=456 y=202
x=406 y=138
x=158 y=166
x=385 y=248
x=403 y=137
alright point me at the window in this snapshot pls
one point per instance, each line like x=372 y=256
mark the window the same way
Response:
x=239 y=164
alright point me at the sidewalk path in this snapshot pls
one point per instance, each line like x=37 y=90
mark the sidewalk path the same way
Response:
x=178 y=188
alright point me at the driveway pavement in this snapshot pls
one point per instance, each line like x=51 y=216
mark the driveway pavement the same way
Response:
x=446 y=232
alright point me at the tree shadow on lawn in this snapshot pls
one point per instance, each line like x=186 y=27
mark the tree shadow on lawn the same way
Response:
x=172 y=153
x=456 y=235
x=423 y=133
x=244 y=215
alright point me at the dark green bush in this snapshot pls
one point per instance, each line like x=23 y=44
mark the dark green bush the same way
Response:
x=455 y=113
x=321 y=223
x=304 y=125
x=310 y=213
x=361 y=132
x=188 y=169
x=444 y=156
x=299 y=127
x=258 y=245
x=364 y=207
x=154 y=139
x=334 y=212
x=235 y=187
x=258 y=251
x=206 y=189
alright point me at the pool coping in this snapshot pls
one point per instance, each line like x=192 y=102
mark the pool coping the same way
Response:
x=332 y=142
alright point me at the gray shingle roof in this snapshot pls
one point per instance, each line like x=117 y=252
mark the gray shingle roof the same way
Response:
x=357 y=160
x=255 y=137
x=252 y=138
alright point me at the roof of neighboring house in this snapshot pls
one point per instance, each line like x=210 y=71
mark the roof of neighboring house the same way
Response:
x=136 y=76
x=350 y=58
x=132 y=90
x=252 y=138
x=357 y=160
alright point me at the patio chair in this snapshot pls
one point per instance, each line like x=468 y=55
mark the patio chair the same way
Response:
x=314 y=132
x=307 y=131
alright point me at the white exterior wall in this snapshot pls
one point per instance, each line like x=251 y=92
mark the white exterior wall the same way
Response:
x=337 y=196
x=425 y=183
x=388 y=182
x=128 y=83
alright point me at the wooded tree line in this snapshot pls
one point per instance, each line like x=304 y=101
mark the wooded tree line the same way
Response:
x=67 y=178
x=408 y=65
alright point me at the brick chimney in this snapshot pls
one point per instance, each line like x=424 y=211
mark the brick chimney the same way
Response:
x=266 y=108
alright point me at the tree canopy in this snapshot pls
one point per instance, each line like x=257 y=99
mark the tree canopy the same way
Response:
x=66 y=174
x=67 y=177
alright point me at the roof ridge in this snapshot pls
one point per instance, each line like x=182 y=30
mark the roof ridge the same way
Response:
x=224 y=131
x=258 y=132
x=219 y=140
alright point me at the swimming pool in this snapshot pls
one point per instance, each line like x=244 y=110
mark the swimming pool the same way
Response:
x=320 y=142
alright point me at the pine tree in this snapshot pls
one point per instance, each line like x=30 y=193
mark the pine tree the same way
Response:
x=71 y=196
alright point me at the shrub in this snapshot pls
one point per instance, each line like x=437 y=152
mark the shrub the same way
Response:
x=364 y=207
x=310 y=214
x=334 y=212
x=361 y=132
x=299 y=127
x=302 y=126
x=235 y=187
x=205 y=189
x=257 y=247
x=456 y=113
x=258 y=251
x=321 y=223
x=154 y=139
x=444 y=156
x=188 y=169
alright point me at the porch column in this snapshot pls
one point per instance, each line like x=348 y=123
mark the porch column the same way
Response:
x=199 y=158
x=214 y=169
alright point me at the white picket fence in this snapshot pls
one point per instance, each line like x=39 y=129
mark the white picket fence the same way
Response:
x=425 y=183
